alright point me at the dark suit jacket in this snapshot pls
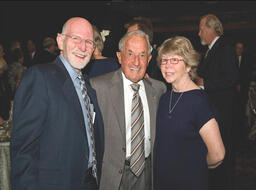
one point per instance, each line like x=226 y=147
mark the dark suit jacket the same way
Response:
x=49 y=149
x=220 y=73
x=44 y=56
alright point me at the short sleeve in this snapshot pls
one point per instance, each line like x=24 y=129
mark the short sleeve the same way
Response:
x=204 y=111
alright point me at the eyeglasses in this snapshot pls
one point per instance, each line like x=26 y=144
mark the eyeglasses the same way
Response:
x=78 y=40
x=173 y=61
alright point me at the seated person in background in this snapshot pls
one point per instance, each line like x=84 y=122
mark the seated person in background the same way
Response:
x=99 y=64
x=14 y=44
x=2 y=59
x=15 y=70
x=5 y=100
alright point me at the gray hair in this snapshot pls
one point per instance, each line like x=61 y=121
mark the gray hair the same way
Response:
x=181 y=46
x=212 y=21
x=138 y=33
x=48 y=42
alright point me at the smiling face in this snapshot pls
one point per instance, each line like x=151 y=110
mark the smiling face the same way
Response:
x=134 y=58
x=76 y=53
x=174 y=73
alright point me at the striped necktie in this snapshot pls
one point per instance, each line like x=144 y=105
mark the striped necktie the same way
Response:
x=89 y=116
x=137 y=133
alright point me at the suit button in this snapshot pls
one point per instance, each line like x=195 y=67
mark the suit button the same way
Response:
x=124 y=149
x=120 y=171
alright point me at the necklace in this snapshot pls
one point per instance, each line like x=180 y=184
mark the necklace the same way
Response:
x=170 y=103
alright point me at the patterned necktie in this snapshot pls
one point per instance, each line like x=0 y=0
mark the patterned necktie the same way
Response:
x=137 y=133
x=89 y=116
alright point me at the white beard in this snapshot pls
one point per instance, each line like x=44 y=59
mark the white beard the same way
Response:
x=75 y=63
x=203 y=42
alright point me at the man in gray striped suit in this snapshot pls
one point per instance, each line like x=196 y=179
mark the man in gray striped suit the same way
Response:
x=129 y=116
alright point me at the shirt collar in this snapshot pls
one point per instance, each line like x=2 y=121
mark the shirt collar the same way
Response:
x=127 y=82
x=72 y=72
x=213 y=42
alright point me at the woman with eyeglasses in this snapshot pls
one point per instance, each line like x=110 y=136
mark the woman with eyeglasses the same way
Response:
x=188 y=140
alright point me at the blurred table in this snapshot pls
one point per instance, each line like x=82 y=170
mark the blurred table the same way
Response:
x=5 y=166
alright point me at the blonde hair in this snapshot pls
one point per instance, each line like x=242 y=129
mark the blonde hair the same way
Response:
x=98 y=39
x=181 y=46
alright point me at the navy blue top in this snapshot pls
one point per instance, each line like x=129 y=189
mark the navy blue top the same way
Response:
x=180 y=162
x=98 y=67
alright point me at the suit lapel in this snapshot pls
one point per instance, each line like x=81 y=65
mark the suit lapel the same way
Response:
x=70 y=93
x=72 y=97
x=151 y=98
x=117 y=98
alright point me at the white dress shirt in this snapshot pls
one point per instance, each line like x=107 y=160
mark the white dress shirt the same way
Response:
x=128 y=93
x=213 y=42
x=239 y=60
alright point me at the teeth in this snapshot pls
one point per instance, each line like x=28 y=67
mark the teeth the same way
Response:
x=80 y=55
x=136 y=69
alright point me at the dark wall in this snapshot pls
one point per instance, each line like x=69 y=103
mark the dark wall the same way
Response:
x=36 y=20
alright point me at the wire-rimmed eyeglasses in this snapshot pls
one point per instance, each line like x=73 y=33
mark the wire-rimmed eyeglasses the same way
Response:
x=78 y=40
x=173 y=61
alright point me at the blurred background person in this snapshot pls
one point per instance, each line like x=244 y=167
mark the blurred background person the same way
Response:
x=219 y=71
x=99 y=64
x=49 y=52
x=244 y=62
x=5 y=92
x=30 y=53
x=188 y=140
x=14 y=44
x=2 y=59
x=244 y=75
x=15 y=70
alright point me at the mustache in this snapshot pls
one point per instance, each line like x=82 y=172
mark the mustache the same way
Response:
x=80 y=52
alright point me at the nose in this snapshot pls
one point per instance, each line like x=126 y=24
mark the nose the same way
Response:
x=136 y=60
x=168 y=65
x=82 y=45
